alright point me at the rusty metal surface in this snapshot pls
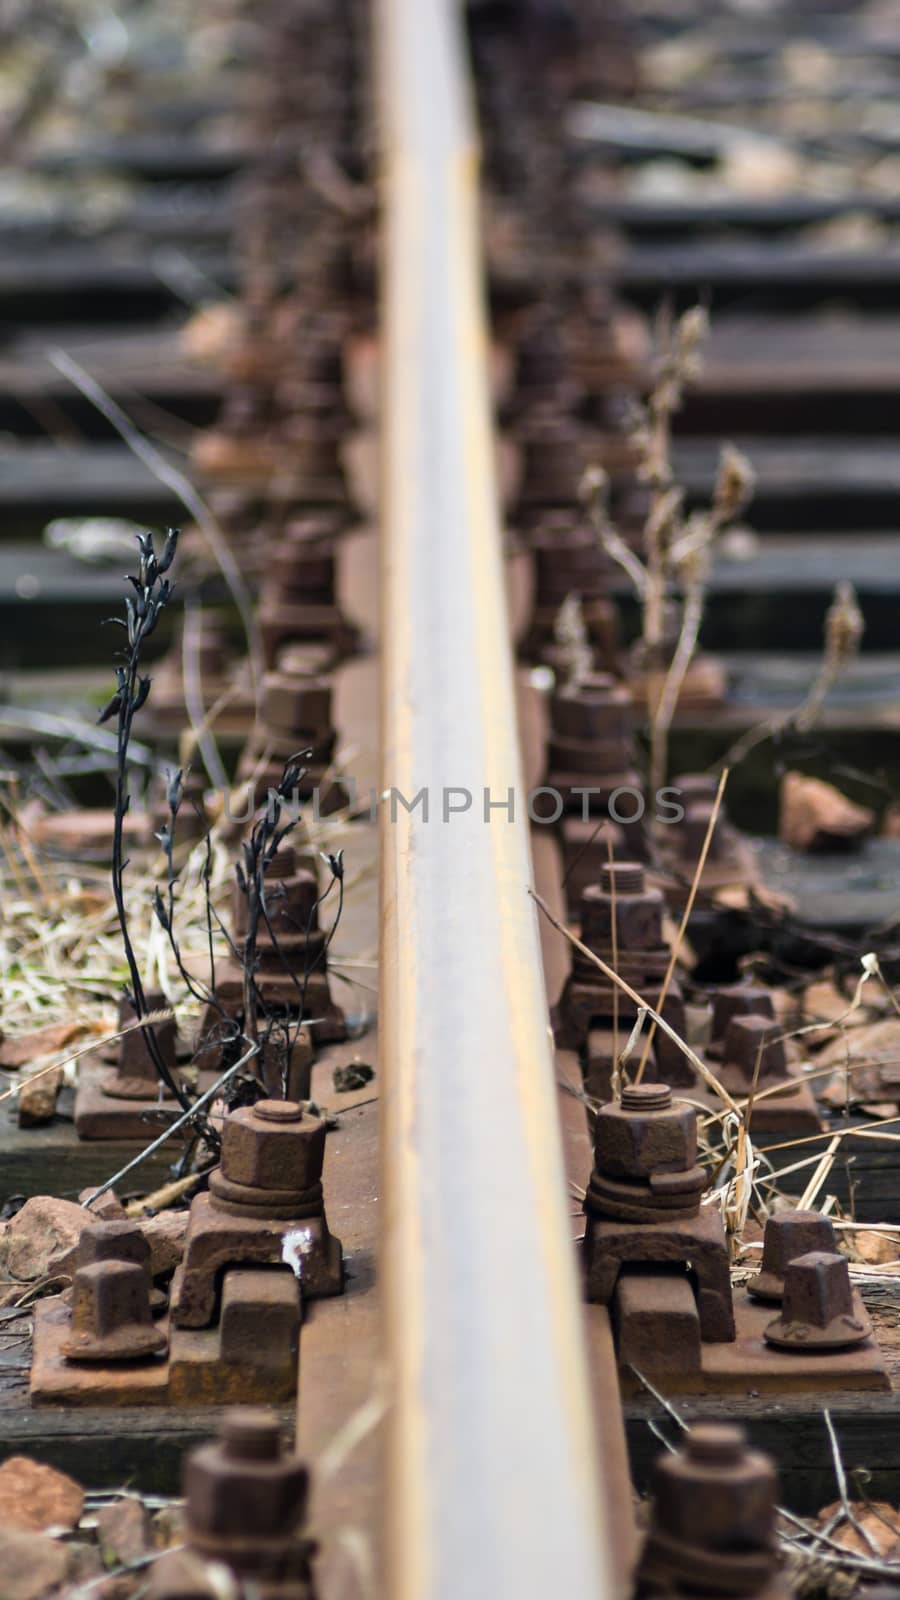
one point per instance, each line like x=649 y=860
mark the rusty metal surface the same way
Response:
x=637 y=949
x=712 y=1520
x=747 y=1366
x=245 y=1508
x=342 y=1376
x=643 y=1205
x=492 y=1479
x=251 y=1354
x=787 y=1236
x=218 y=1239
x=56 y=1381
x=819 y=1308
x=657 y=1328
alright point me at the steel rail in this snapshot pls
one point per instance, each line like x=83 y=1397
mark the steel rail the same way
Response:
x=492 y=1480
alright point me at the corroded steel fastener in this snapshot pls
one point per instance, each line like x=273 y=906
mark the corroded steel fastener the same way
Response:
x=621 y=894
x=246 y=1502
x=111 y=1317
x=643 y=1204
x=568 y=560
x=697 y=793
x=134 y=1076
x=787 y=1237
x=303 y=560
x=298 y=599
x=712 y=1521
x=819 y=1310
x=590 y=731
x=589 y=998
x=752 y=1039
x=115 y=1239
x=645 y=1157
x=265 y=1207
x=298 y=706
x=638 y=910
x=737 y=1000
x=294 y=963
x=291 y=904
x=272 y=1156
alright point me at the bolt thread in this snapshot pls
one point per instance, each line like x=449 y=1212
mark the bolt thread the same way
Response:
x=251 y=1434
x=715 y=1443
x=623 y=877
x=646 y=1097
x=278 y=1110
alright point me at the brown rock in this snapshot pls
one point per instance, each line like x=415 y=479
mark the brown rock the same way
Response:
x=822 y=1002
x=874 y=1248
x=41 y=1239
x=24 y=1048
x=34 y=1497
x=165 y=1235
x=108 y=1208
x=31 y=1565
x=89 y=833
x=37 y=1098
x=125 y=1531
x=873 y=1518
x=877 y=1042
x=816 y=816
x=866 y=1062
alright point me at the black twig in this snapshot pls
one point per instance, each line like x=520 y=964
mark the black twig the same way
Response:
x=143 y=609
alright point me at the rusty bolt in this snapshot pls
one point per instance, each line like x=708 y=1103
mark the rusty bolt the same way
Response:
x=596 y=708
x=739 y=1000
x=793 y=1234
x=273 y=1145
x=134 y=1059
x=301 y=570
x=214 y=644
x=111 y=1317
x=753 y=1038
x=298 y=705
x=716 y=1493
x=691 y=835
x=639 y=910
x=818 y=1311
x=568 y=558
x=115 y=1240
x=645 y=1133
x=291 y=896
x=244 y=1487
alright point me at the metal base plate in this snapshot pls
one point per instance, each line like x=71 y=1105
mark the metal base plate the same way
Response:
x=56 y=1381
x=749 y=1366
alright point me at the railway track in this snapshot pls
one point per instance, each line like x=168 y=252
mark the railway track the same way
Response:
x=382 y=321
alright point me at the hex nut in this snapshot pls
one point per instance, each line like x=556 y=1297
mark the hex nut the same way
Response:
x=298 y=705
x=639 y=916
x=242 y=1488
x=265 y=1154
x=739 y=1000
x=752 y=1038
x=787 y=1236
x=595 y=708
x=716 y=1493
x=635 y=1143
